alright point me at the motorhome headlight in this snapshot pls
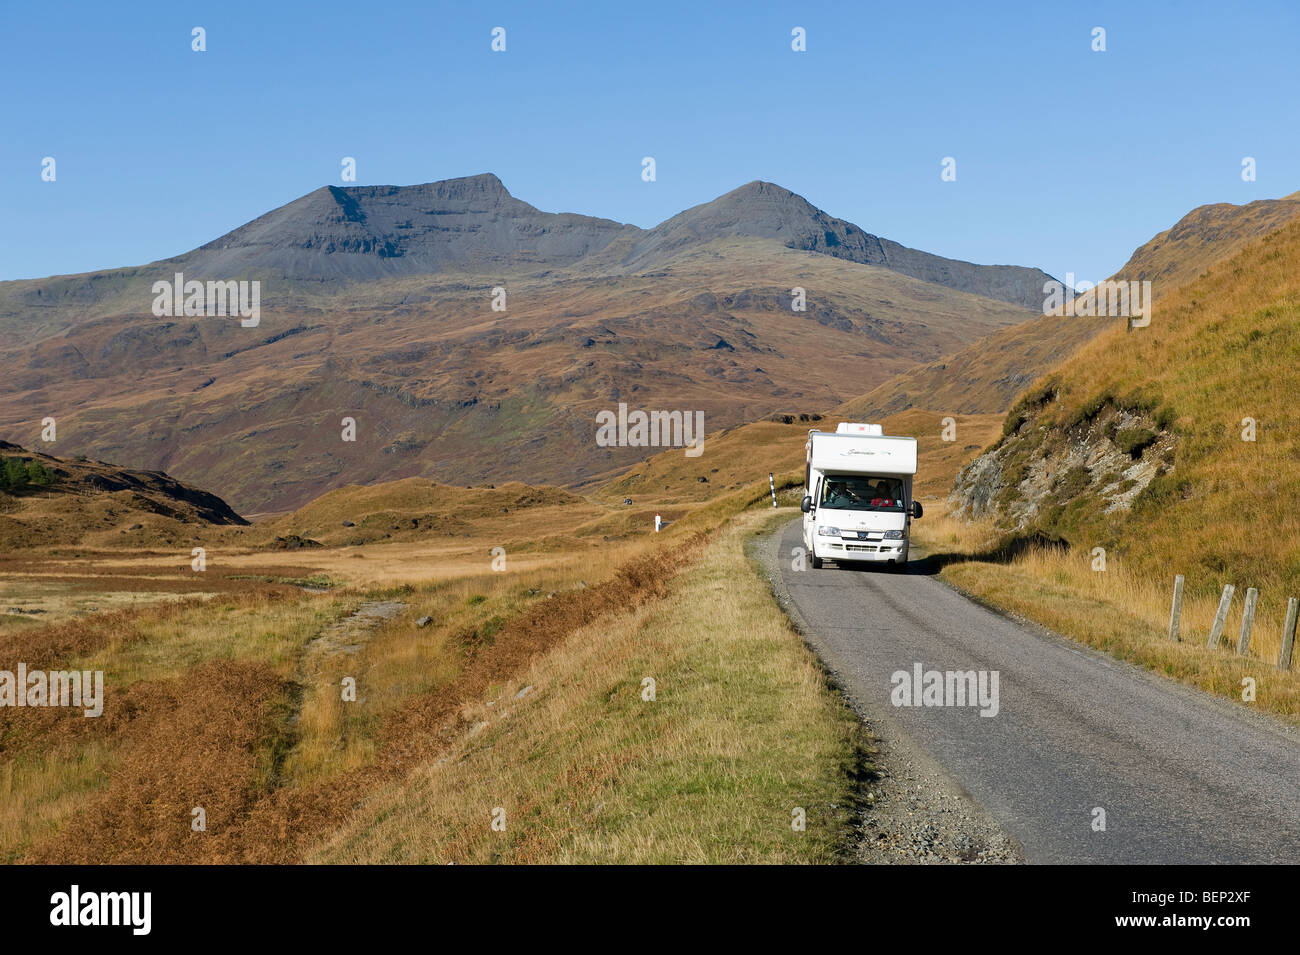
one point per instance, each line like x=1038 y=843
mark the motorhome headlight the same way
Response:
x=828 y=532
x=893 y=535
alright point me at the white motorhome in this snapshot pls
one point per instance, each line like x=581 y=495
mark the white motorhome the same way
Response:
x=857 y=502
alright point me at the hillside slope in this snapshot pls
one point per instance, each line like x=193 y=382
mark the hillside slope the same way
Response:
x=987 y=375
x=1204 y=236
x=93 y=501
x=1175 y=445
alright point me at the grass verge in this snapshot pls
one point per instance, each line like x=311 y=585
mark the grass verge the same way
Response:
x=580 y=766
x=1119 y=610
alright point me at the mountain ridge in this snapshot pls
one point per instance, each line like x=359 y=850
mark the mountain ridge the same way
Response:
x=805 y=227
x=339 y=235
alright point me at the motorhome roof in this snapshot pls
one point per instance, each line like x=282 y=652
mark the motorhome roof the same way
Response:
x=861 y=453
x=857 y=427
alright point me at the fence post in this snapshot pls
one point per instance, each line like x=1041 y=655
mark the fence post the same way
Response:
x=1288 y=635
x=1176 y=611
x=1247 y=621
x=1221 y=617
x=772 y=484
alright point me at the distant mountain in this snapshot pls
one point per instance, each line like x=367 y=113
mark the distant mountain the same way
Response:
x=377 y=307
x=338 y=236
x=765 y=210
x=365 y=233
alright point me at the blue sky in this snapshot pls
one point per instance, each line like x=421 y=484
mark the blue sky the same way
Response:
x=1067 y=159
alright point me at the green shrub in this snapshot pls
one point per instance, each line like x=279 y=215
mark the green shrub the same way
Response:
x=39 y=475
x=1013 y=422
x=14 y=479
x=1133 y=441
x=1072 y=483
x=1138 y=402
x=1029 y=403
x=1163 y=489
x=1090 y=409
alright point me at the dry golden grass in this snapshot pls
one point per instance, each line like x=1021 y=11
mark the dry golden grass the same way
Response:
x=269 y=632
x=205 y=739
x=1122 y=610
x=149 y=650
x=40 y=792
x=157 y=662
x=64 y=599
x=232 y=703
x=242 y=690
x=399 y=661
x=742 y=731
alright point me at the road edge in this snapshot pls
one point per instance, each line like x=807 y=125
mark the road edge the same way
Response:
x=914 y=810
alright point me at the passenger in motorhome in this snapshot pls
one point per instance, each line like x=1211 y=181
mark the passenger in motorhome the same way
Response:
x=884 y=497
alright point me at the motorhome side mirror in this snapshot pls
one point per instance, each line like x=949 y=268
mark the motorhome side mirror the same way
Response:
x=806 y=504
x=917 y=509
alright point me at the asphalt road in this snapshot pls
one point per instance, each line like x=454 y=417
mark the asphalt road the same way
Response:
x=1182 y=777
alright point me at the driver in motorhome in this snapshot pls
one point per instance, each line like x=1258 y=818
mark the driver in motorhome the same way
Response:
x=834 y=491
x=841 y=494
x=838 y=494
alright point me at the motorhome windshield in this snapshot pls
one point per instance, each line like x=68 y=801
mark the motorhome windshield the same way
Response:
x=856 y=492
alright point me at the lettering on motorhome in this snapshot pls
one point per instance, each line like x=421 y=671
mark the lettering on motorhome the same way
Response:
x=653 y=429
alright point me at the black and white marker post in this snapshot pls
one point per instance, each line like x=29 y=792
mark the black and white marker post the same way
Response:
x=772 y=484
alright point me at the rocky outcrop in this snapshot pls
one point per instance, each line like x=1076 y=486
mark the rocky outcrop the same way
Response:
x=1055 y=474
